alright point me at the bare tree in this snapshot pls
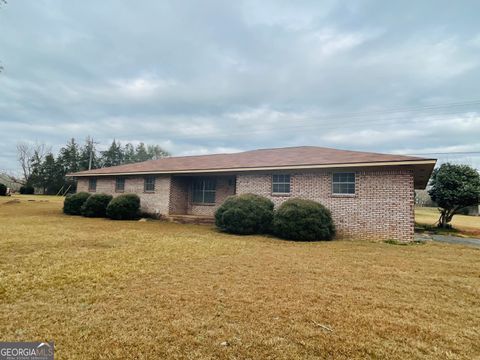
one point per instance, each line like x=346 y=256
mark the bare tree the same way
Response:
x=24 y=157
x=26 y=153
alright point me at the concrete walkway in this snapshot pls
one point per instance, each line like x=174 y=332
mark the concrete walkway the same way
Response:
x=448 y=239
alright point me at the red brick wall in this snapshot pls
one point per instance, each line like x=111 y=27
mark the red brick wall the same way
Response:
x=382 y=207
x=179 y=189
x=154 y=203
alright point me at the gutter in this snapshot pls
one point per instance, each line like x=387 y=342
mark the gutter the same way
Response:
x=265 y=168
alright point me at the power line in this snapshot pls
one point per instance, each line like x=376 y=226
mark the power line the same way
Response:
x=449 y=153
x=302 y=125
x=394 y=114
x=411 y=108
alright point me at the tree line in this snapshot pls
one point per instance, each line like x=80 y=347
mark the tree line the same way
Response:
x=44 y=170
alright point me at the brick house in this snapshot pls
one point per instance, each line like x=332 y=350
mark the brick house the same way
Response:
x=370 y=195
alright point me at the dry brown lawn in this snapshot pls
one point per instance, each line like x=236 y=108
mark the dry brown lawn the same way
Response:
x=152 y=290
x=470 y=225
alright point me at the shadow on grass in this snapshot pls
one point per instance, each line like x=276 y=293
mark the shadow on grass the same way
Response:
x=433 y=229
x=404 y=243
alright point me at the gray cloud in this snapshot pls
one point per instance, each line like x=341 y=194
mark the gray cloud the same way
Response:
x=208 y=76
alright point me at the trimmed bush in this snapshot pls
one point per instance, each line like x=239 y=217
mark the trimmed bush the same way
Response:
x=73 y=203
x=124 y=207
x=27 y=190
x=245 y=214
x=3 y=190
x=96 y=205
x=304 y=220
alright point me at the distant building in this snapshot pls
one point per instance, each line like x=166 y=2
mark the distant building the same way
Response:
x=10 y=182
x=473 y=210
x=424 y=200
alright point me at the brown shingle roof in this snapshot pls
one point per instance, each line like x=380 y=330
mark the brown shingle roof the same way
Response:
x=306 y=156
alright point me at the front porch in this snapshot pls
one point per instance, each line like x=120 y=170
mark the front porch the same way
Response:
x=191 y=219
x=199 y=196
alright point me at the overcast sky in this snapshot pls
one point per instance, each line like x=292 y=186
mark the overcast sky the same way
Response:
x=220 y=76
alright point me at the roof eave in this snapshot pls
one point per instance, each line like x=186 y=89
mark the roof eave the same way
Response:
x=263 y=168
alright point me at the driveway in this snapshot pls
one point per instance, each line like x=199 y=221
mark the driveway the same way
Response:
x=449 y=239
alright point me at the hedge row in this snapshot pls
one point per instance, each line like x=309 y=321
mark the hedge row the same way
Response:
x=122 y=207
x=27 y=190
x=295 y=219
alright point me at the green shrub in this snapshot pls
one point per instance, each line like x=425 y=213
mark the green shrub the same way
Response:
x=3 y=190
x=26 y=190
x=96 y=205
x=73 y=203
x=124 y=207
x=245 y=214
x=304 y=220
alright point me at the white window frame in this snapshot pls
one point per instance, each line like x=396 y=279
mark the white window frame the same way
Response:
x=347 y=182
x=204 y=190
x=281 y=183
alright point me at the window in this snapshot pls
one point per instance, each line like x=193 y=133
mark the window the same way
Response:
x=92 y=184
x=343 y=183
x=149 y=184
x=204 y=191
x=120 y=184
x=281 y=184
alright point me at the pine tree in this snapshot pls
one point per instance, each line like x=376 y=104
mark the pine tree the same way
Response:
x=54 y=174
x=86 y=151
x=48 y=175
x=141 y=153
x=113 y=156
x=129 y=154
x=36 y=174
x=69 y=157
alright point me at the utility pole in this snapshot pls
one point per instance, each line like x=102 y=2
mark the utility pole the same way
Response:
x=90 y=148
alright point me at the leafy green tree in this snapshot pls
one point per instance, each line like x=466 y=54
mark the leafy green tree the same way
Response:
x=149 y=152
x=454 y=187
x=156 y=152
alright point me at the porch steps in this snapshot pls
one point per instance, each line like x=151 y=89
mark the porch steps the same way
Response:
x=192 y=219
